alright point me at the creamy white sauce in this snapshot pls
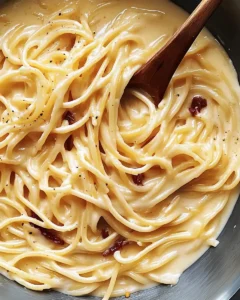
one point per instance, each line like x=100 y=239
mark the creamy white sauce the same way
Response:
x=160 y=19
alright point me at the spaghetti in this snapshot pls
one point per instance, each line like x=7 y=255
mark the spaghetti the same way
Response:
x=101 y=192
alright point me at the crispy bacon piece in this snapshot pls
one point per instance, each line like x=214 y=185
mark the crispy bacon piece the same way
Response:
x=47 y=233
x=198 y=103
x=105 y=233
x=68 y=116
x=138 y=179
x=103 y=227
x=118 y=245
x=69 y=143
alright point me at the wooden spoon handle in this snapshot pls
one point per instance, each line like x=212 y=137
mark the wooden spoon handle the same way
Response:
x=156 y=74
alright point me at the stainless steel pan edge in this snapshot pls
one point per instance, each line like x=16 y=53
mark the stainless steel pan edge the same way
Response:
x=216 y=276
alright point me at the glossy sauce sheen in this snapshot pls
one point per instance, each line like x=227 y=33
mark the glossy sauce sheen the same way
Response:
x=161 y=18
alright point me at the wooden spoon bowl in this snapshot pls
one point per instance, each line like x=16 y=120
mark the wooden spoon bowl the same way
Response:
x=155 y=75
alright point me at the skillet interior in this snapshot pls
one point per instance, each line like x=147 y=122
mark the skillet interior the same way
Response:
x=216 y=276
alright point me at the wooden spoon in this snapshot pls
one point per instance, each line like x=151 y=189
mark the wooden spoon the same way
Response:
x=155 y=75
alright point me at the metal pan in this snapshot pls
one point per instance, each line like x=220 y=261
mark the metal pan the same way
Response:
x=216 y=276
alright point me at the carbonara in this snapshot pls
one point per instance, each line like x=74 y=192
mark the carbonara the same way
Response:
x=101 y=191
